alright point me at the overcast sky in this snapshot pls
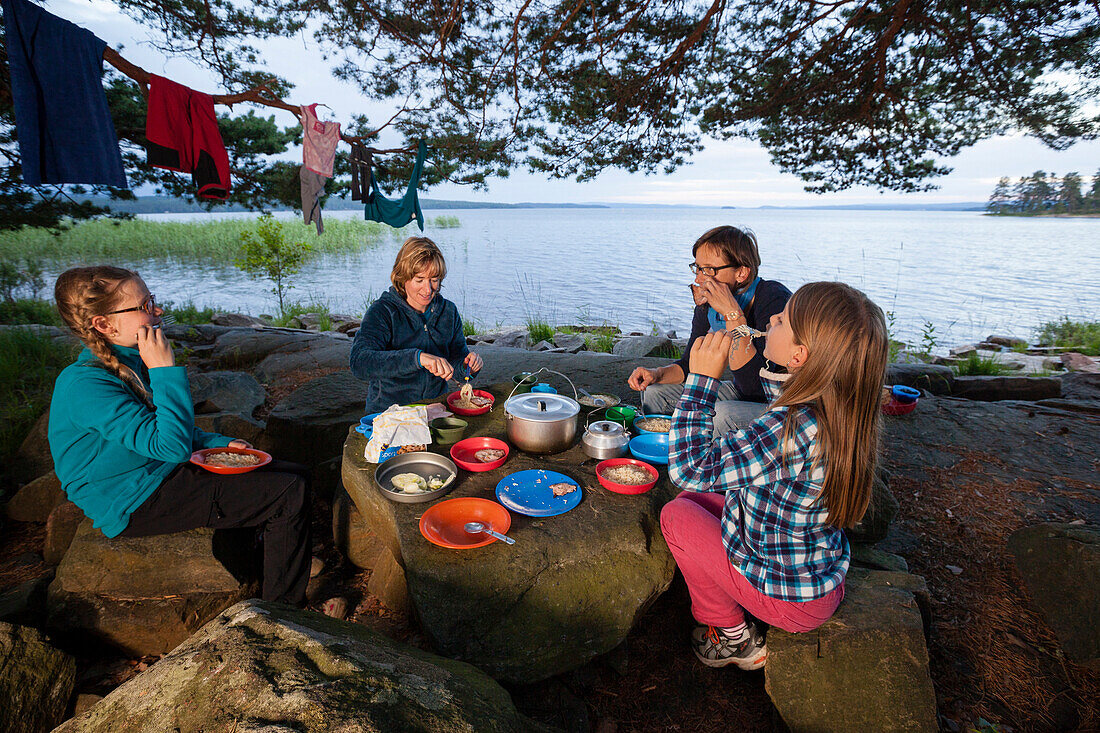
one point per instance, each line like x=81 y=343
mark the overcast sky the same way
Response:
x=734 y=173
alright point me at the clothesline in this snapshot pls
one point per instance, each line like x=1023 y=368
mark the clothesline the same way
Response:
x=253 y=96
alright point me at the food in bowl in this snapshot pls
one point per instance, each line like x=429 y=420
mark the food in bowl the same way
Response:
x=229 y=459
x=654 y=424
x=627 y=474
x=488 y=455
x=472 y=402
x=414 y=448
x=411 y=483
x=590 y=401
x=563 y=488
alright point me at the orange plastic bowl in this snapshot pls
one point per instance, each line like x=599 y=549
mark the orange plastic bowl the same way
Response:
x=199 y=459
x=463 y=452
x=453 y=397
x=625 y=488
x=444 y=523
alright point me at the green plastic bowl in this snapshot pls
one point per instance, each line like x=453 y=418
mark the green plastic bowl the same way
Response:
x=524 y=381
x=621 y=414
x=448 y=430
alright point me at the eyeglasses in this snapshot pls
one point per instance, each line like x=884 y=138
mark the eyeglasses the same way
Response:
x=710 y=271
x=149 y=305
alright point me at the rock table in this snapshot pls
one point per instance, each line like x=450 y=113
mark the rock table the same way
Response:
x=569 y=589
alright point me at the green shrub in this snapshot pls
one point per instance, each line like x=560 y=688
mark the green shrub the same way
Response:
x=29 y=363
x=604 y=342
x=298 y=308
x=267 y=253
x=539 y=331
x=979 y=366
x=1083 y=336
x=188 y=312
x=469 y=327
x=668 y=351
x=29 y=310
x=446 y=222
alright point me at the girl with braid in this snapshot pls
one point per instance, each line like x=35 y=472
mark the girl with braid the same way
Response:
x=122 y=430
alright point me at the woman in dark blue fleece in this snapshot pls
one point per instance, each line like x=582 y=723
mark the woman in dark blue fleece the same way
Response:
x=411 y=340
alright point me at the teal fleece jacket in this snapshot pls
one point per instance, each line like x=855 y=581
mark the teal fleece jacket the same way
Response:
x=110 y=451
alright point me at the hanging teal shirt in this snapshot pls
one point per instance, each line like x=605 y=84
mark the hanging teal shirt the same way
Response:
x=110 y=451
x=398 y=213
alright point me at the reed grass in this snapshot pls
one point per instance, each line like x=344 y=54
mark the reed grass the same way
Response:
x=29 y=364
x=979 y=366
x=29 y=310
x=445 y=222
x=539 y=330
x=112 y=240
x=1083 y=336
x=189 y=313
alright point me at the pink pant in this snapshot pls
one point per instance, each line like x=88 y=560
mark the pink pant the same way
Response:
x=691 y=524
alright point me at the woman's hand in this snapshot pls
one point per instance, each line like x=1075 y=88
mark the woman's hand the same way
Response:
x=697 y=295
x=238 y=443
x=719 y=296
x=641 y=378
x=473 y=361
x=710 y=354
x=155 y=349
x=437 y=365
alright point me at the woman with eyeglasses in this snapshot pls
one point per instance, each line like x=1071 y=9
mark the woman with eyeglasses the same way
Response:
x=122 y=430
x=728 y=292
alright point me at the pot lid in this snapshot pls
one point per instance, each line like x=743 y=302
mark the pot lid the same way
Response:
x=605 y=433
x=542 y=407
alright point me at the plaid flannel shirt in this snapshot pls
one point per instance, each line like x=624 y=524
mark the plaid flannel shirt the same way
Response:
x=776 y=533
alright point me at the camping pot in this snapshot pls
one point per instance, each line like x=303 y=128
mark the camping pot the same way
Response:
x=605 y=439
x=541 y=423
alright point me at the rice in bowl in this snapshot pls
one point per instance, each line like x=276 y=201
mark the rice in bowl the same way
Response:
x=655 y=424
x=228 y=459
x=627 y=474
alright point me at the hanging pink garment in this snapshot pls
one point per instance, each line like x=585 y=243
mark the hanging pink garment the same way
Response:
x=318 y=141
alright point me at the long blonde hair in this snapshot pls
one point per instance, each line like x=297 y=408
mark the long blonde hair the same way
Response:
x=841 y=382
x=82 y=293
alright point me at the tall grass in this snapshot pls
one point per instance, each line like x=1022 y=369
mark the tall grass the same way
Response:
x=979 y=366
x=538 y=330
x=104 y=239
x=189 y=313
x=1084 y=336
x=29 y=363
x=29 y=310
x=445 y=222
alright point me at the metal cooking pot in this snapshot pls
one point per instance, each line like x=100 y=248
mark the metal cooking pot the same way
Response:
x=605 y=439
x=541 y=423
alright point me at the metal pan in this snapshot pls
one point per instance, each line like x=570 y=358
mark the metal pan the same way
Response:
x=424 y=464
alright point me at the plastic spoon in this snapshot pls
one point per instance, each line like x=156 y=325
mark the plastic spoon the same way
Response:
x=596 y=401
x=478 y=528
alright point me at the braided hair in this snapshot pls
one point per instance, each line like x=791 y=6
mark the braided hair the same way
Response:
x=82 y=293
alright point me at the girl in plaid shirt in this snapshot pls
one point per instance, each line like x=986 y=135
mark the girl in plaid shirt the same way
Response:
x=758 y=527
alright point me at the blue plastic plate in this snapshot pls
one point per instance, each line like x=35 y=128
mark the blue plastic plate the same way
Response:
x=652 y=447
x=528 y=492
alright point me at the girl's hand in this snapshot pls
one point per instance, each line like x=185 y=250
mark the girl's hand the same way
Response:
x=719 y=296
x=641 y=378
x=473 y=361
x=155 y=349
x=238 y=443
x=710 y=354
x=437 y=365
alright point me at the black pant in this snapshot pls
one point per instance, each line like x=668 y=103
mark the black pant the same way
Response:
x=274 y=498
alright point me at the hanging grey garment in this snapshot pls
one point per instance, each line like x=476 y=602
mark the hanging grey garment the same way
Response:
x=360 y=160
x=313 y=185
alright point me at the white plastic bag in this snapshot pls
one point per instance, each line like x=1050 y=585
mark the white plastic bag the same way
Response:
x=396 y=427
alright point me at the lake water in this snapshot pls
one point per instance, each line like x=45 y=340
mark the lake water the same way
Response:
x=967 y=274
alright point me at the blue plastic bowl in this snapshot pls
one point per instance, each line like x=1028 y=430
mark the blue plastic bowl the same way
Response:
x=652 y=447
x=366 y=424
x=643 y=431
x=904 y=395
x=544 y=388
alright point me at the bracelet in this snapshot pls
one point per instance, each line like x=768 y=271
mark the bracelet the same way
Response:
x=731 y=317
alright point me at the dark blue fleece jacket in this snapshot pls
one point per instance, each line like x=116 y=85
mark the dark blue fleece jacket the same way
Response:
x=386 y=351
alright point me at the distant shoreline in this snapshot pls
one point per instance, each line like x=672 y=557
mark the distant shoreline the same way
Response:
x=1093 y=215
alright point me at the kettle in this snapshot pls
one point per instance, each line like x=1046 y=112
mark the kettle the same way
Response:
x=605 y=439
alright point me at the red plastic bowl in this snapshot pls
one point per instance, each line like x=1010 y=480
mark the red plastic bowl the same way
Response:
x=463 y=452
x=199 y=459
x=893 y=407
x=625 y=488
x=454 y=397
x=444 y=524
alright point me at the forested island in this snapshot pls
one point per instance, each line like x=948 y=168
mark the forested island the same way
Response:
x=1045 y=194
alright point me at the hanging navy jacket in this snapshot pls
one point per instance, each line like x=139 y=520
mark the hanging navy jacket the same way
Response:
x=61 y=118
x=386 y=350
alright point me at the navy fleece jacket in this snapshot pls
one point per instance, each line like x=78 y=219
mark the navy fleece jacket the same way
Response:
x=386 y=351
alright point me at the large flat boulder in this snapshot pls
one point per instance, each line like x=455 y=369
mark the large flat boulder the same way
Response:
x=145 y=595
x=931 y=377
x=569 y=589
x=1081 y=386
x=864 y=669
x=309 y=425
x=1060 y=564
x=992 y=389
x=244 y=347
x=266 y=667
x=323 y=352
x=35 y=501
x=222 y=391
x=61 y=527
x=33 y=459
x=880 y=512
x=639 y=346
x=36 y=681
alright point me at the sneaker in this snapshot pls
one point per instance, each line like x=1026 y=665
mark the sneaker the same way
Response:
x=715 y=649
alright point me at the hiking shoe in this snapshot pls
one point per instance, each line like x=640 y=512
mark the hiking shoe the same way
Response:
x=715 y=649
